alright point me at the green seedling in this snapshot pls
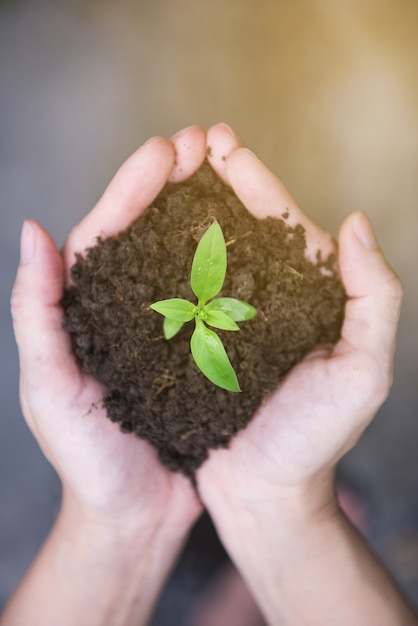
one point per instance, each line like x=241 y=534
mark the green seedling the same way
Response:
x=206 y=279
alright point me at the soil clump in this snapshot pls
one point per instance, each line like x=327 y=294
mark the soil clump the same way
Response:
x=152 y=386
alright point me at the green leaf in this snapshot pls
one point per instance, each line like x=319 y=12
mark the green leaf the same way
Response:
x=238 y=310
x=175 y=309
x=209 y=264
x=211 y=358
x=221 y=320
x=171 y=327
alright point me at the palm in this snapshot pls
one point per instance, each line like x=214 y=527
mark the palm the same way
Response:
x=307 y=422
x=107 y=470
x=306 y=425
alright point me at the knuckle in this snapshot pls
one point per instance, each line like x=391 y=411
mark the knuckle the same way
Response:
x=17 y=300
x=379 y=388
x=397 y=287
x=394 y=289
x=372 y=382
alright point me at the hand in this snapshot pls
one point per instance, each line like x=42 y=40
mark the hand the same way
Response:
x=109 y=475
x=324 y=404
x=124 y=517
x=271 y=494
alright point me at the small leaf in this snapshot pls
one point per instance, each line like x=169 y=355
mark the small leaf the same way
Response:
x=211 y=358
x=221 y=320
x=209 y=264
x=238 y=310
x=171 y=327
x=175 y=309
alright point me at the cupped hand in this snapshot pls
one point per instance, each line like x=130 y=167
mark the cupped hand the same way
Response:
x=110 y=475
x=324 y=404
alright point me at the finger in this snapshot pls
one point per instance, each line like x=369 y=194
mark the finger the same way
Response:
x=264 y=195
x=375 y=293
x=221 y=141
x=44 y=348
x=190 y=149
x=131 y=191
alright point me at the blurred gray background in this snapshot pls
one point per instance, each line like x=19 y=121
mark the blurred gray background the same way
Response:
x=325 y=92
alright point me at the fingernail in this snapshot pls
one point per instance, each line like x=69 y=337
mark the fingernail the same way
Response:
x=150 y=140
x=180 y=133
x=27 y=242
x=251 y=153
x=228 y=128
x=365 y=232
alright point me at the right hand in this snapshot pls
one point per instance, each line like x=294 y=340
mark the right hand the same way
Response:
x=290 y=449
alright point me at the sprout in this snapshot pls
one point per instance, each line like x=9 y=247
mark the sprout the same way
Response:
x=207 y=278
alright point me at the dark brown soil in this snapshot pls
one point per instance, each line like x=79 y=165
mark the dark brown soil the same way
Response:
x=153 y=387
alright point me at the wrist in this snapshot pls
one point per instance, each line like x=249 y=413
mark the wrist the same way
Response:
x=270 y=539
x=122 y=563
x=122 y=532
x=100 y=568
x=167 y=504
x=256 y=524
x=284 y=506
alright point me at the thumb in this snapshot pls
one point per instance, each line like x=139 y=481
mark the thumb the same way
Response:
x=44 y=347
x=374 y=290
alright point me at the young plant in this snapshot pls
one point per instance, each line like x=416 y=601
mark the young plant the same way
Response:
x=206 y=279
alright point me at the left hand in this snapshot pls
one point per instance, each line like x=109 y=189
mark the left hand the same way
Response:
x=109 y=476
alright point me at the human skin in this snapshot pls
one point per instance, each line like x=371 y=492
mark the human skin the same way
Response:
x=124 y=517
x=272 y=494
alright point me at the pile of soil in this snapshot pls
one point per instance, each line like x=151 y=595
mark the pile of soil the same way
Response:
x=153 y=387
